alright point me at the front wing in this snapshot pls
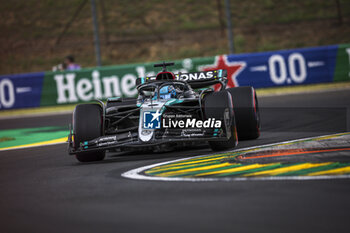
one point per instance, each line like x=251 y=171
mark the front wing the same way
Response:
x=131 y=139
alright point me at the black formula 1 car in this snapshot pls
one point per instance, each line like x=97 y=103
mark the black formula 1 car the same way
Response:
x=170 y=110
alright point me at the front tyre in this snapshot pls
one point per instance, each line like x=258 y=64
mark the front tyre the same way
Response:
x=87 y=125
x=218 y=105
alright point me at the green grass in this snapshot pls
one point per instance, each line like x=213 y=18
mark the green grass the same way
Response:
x=176 y=28
x=27 y=136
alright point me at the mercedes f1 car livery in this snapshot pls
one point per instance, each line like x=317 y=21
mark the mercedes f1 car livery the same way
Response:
x=170 y=110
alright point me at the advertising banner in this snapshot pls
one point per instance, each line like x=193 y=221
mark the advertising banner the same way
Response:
x=102 y=83
x=283 y=68
x=265 y=69
x=20 y=90
x=342 y=68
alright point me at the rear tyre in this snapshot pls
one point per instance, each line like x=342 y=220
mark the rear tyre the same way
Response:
x=245 y=105
x=216 y=105
x=87 y=125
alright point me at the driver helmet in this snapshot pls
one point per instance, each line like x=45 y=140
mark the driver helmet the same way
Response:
x=167 y=92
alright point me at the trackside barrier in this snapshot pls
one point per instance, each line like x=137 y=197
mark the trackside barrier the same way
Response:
x=21 y=90
x=266 y=69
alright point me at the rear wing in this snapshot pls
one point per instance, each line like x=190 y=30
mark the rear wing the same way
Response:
x=195 y=79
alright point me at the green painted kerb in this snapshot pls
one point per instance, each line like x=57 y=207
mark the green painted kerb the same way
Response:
x=227 y=165
x=18 y=137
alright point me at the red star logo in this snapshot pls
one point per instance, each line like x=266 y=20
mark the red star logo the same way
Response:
x=233 y=69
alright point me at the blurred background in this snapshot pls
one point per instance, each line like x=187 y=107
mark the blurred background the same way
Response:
x=36 y=35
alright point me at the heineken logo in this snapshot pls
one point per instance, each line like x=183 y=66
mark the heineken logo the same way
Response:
x=87 y=85
x=70 y=89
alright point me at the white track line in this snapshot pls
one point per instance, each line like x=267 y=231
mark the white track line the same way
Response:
x=30 y=146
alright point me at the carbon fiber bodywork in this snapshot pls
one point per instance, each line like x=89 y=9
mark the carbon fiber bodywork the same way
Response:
x=123 y=119
x=121 y=129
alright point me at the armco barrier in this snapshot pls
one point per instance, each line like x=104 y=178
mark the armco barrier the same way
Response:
x=267 y=69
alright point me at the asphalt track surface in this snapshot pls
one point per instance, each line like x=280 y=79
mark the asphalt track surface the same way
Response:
x=44 y=190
